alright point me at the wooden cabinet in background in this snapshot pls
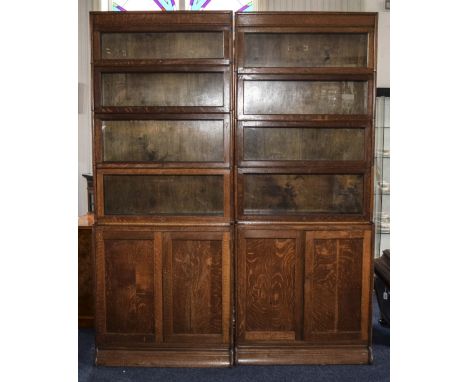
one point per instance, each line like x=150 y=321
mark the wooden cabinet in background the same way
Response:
x=85 y=271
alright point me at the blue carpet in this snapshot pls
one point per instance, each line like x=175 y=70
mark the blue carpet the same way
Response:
x=377 y=372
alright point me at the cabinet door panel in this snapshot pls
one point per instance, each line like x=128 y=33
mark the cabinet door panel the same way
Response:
x=336 y=295
x=125 y=287
x=162 y=89
x=304 y=97
x=269 y=285
x=182 y=45
x=196 y=283
x=305 y=50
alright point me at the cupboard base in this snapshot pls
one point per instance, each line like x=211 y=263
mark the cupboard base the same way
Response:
x=349 y=355
x=164 y=357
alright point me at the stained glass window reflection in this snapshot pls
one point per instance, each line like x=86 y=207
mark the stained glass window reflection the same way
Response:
x=174 y=5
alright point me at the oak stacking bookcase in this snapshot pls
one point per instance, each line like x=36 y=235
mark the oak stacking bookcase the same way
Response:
x=304 y=149
x=233 y=182
x=162 y=159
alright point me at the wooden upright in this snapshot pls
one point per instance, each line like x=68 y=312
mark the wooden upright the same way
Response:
x=223 y=240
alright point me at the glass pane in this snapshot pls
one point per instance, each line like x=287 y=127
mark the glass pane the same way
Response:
x=162 y=45
x=163 y=141
x=163 y=195
x=305 y=50
x=162 y=89
x=302 y=144
x=305 y=97
x=290 y=194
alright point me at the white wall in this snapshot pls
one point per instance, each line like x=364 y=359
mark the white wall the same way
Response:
x=383 y=43
x=84 y=102
x=308 y=5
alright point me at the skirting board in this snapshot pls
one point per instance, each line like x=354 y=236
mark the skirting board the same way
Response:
x=164 y=358
x=351 y=355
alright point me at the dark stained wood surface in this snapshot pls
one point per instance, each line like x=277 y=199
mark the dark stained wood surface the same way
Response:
x=129 y=286
x=195 y=290
x=182 y=45
x=305 y=50
x=270 y=266
x=269 y=290
x=85 y=276
x=335 y=285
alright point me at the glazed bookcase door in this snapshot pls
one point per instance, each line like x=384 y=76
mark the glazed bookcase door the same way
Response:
x=296 y=97
x=197 y=298
x=310 y=144
x=163 y=195
x=151 y=141
x=172 y=38
x=337 y=286
x=302 y=194
x=160 y=89
x=306 y=42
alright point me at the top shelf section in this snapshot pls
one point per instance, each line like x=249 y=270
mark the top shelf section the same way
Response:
x=149 y=38
x=324 y=43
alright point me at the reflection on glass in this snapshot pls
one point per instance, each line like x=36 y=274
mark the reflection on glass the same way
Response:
x=294 y=194
x=303 y=144
x=163 y=141
x=173 y=45
x=162 y=89
x=305 y=50
x=305 y=97
x=163 y=195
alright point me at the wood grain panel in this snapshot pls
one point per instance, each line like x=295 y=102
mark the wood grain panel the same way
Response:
x=334 y=286
x=349 y=291
x=268 y=268
x=173 y=45
x=195 y=282
x=305 y=50
x=85 y=277
x=196 y=286
x=162 y=89
x=129 y=286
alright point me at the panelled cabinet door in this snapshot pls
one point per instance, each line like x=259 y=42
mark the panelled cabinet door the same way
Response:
x=126 y=274
x=197 y=287
x=337 y=286
x=269 y=286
